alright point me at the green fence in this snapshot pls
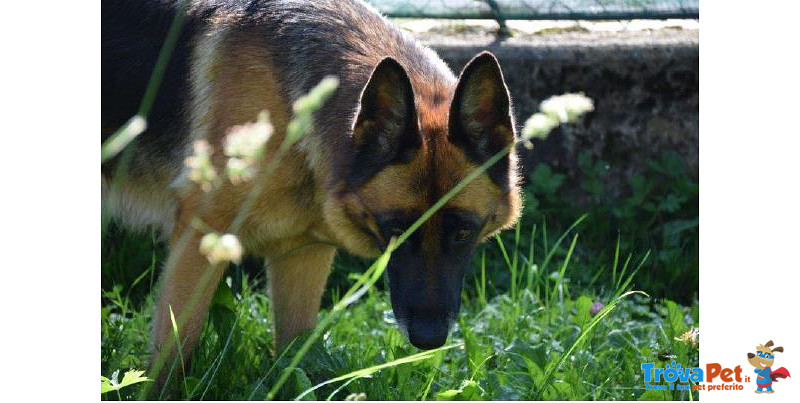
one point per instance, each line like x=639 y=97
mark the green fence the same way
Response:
x=540 y=9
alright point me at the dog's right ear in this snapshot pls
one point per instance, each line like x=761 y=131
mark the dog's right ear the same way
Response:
x=769 y=344
x=385 y=129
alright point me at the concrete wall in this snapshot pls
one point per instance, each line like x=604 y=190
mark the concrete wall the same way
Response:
x=644 y=85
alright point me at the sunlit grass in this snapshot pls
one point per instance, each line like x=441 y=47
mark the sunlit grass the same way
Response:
x=541 y=343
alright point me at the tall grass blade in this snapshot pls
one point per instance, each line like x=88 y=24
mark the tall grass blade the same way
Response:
x=530 y=264
x=551 y=252
x=179 y=346
x=616 y=262
x=367 y=371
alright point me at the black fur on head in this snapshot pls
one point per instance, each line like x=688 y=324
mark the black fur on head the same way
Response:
x=386 y=130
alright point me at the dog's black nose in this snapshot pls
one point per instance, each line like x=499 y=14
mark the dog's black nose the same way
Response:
x=428 y=334
x=750 y=355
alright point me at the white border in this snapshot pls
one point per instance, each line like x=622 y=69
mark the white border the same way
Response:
x=750 y=187
x=50 y=119
x=749 y=169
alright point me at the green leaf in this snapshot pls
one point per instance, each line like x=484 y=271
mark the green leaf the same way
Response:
x=130 y=378
x=224 y=297
x=672 y=202
x=534 y=371
x=675 y=316
x=448 y=394
x=469 y=390
x=545 y=181
x=302 y=383
x=559 y=391
x=105 y=385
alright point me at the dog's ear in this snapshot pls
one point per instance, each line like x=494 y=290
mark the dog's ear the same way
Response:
x=480 y=118
x=769 y=343
x=778 y=349
x=385 y=129
x=480 y=115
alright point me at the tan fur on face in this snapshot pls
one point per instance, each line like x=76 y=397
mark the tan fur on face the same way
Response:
x=397 y=187
x=416 y=186
x=482 y=196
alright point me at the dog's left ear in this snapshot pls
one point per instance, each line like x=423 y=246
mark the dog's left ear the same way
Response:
x=480 y=115
x=778 y=349
x=480 y=118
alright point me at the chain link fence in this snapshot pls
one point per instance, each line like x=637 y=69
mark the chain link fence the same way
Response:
x=540 y=9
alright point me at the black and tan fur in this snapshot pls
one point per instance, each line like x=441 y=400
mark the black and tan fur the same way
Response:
x=399 y=132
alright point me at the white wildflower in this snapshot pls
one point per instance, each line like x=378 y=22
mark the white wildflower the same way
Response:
x=692 y=336
x=568 y=107
x=201 y=170
x=538 y=125
x=244 y=145
x=224 y=248
x=305 y=106
x=239 y=170
x=555 y=110
x=247 y=141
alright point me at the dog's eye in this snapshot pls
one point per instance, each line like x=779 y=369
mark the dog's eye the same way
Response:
x=396 y=231
x=392 y=225
x=463 y=235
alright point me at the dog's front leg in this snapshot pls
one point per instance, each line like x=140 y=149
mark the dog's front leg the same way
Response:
x=187 y=286
x=297 y=273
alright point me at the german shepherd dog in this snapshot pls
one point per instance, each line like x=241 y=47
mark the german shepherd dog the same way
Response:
x=399 y=132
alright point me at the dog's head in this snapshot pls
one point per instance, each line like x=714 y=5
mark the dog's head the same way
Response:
x=764 y=356
x=414 y=143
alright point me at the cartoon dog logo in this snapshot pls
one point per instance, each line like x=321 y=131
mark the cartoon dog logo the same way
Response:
x=762 y=360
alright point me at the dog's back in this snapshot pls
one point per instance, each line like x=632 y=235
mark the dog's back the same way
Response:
x=296 y=43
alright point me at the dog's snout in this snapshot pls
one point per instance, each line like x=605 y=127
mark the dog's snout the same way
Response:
x=750 y=355
x=428 y=334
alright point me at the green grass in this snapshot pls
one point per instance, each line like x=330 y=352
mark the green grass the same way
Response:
x=532 y=337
